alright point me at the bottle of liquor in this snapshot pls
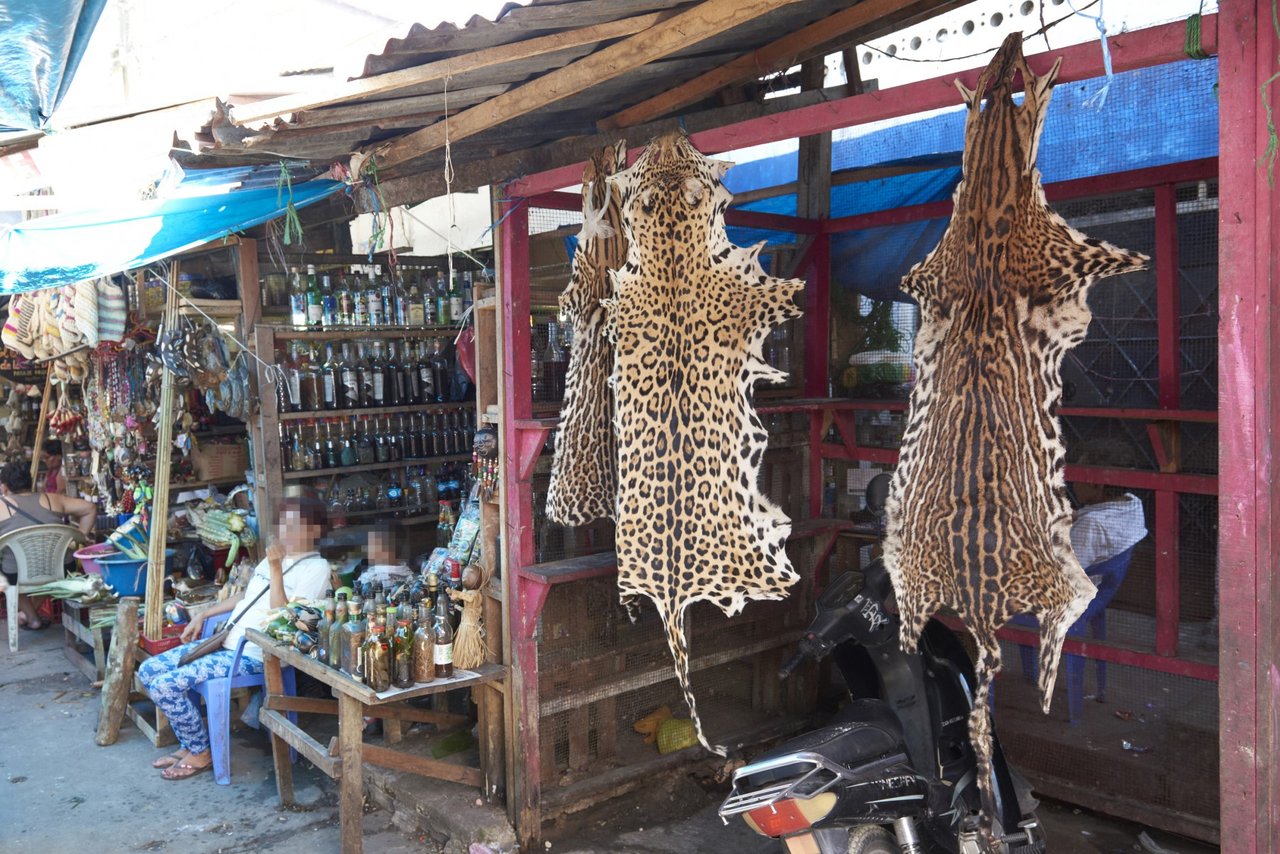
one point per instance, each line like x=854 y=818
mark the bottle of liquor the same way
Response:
x=393 y=387
x=331 y=380
x=399 y=380
x=415 y=314
x=442 y=653
x=297 y=299
x=395 y=493
x=444 y=527
x=395 y=442
x=448 y=438
x=352 y=393
x=375 y=655
x=439 y=372
x=364 y=376
x=436 y=448
x=317 y=447
x=334 y=643
x=309 y=381
x=402 y=652
x=346 y=305
x=315 y=303
x=286 y=449
x=442 y=302
x=424 y=664
x=293 y=379
x=322 y=632
x=328 y=304
x=410 y=376
x=299 y=454
x=359 y=302
x=429 y=315
x=347 y=453
x=378 y=377
x=332 y=458
x=365 y=452
x=426 y=376
x=382 y=449
x=389 y=303
x=402 y=302
x=468 y=291
x=353 y=632
x=373 y=297
x=455 y=297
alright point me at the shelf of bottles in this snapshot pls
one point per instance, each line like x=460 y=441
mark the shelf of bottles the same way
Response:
x=418 y=300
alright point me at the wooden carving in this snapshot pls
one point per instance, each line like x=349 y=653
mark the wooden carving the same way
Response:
x=689 y=319
x=978 y=514
x=584 y=480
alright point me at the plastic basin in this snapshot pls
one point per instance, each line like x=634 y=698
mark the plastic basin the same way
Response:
x=90 y=555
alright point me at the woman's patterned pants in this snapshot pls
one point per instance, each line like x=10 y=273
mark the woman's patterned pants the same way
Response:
x=170 y=683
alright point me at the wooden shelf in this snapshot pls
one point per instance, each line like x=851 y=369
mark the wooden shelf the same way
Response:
x=379 y=410
x=398 y=464
x=361 y=514
x=201 y=484
x=356 y=333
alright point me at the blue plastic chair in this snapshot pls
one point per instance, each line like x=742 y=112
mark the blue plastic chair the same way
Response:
x=216 y=694
x=1107 y=575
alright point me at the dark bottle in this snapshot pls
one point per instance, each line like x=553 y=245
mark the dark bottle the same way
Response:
x=437 y=436
x=364 y=376
x=293 y=379
x=413 y=439
x=331 y=380
x=439 y=372
x=375 y=655
x=442 y=652
x=317 y=448
x=332 y=449
x=286 y=450
x=426 y=376
x=322 y=632
x=412 y=378
x=377 y=378
x=450 y=435
x=352 y=397
x=399 y=380
x=382 y=447
x=394 y=442
x=312 y=384
x=365 y=452
x=395 y=380
x=334 y=644
x=347 y=451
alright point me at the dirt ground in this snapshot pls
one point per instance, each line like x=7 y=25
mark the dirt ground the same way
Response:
x=62 y=793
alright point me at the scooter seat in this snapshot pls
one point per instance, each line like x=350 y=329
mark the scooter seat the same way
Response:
x=863 y=731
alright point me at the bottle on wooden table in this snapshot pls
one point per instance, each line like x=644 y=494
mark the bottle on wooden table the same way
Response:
x=322 y=632
x=353 y=634
x=442 y=652
x=402 y=641
x=333 y=645
x=375 y=658
x=424 y=663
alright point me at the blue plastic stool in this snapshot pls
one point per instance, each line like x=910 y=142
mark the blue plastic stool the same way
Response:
x=216 y=694
x=1107 y=575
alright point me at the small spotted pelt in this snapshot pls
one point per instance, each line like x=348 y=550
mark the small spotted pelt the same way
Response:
x=689 y=318
x=584 y=480
x=978 y=515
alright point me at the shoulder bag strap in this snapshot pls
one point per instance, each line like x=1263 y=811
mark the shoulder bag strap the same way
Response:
x=231 y=622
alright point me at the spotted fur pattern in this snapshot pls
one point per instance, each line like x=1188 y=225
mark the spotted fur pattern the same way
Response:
x=689 y=319
x=584 y=480
x=978 y=512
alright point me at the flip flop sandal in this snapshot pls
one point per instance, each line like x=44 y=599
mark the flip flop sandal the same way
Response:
x=27 y=627
x=170 y=760
x=181 y=770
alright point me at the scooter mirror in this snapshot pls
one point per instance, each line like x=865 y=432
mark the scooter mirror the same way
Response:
x=878 y=493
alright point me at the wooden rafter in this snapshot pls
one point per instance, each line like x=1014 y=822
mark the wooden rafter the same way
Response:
x=675 y=33
x=783 y=53
x=394 y=80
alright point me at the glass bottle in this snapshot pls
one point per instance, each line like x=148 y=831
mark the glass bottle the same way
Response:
x=359 y=302
x=455 y=297
x=411 y=378
x=439 y=372
x=298 y=453
x=334 y=644
x=353 y=632
x=537 y=372
x=429 y=315
x=331 y=380
x=424 y=664
x=426 y=376
x=322 y=632
x=378 y=377
x=375 y=655
x=416 y=316
x=365 y=452
x=297 y=299
x=399 y=380
x=442 y=302
x=444 y=527
x=352 y=394
x=449 y=435
x=382 y=448
x=312 y=385
x=364 y=376
x=293 y=379
x=437 y=437
x=347 y=451
x=555 y=363
x=328 y=303
x=316 y=460
x=393 y=386
x=389 y=303
x=332 y=449
x=315 y=303
x=442 y=652
x=402 y=642
x=395 y=494
x=373 y=297
x=346 y=305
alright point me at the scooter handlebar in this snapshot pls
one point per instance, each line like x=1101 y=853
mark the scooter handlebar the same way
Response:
x=791 y=664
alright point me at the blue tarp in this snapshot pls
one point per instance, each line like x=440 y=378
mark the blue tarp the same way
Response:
x=67 y=248
x=1079 y=141
x=41 y=43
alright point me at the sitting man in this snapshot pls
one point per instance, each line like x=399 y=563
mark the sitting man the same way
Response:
x=1108 y=520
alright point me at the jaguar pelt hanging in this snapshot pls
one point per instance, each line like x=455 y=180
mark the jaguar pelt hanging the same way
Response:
x=978 y=514
x=584 y=480
x=688 y=320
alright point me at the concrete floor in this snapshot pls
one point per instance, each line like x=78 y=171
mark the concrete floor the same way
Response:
x=62 y=793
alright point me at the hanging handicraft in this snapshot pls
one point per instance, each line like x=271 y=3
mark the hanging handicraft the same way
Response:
x=689 y=318
x=978 y=514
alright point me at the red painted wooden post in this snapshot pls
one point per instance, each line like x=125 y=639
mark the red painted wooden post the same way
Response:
x=1248 y=507
x=1167 y=516
x=817 y=318
x=517 y=494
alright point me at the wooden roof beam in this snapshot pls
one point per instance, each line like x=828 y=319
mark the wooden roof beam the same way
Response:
x=381 y=84
x=675 y=33
x=783 y=53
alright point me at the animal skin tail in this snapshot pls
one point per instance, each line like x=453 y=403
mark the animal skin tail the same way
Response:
x=986 y=668
x=673 y=621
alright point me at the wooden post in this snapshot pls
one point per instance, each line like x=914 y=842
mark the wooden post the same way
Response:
x=119 y=676
x=351 y=784
x=41 y=424
x=153 y=623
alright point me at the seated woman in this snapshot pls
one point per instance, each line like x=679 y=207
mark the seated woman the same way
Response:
x=292 y=569
x=19 y=508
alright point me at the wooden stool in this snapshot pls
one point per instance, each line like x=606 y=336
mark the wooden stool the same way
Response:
x=84 y=647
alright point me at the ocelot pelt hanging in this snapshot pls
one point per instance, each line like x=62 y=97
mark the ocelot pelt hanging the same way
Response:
x=584 y=479
x=978 y=514
x=688 y=320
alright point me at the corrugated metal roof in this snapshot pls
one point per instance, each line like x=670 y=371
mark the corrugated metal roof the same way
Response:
x=376 y=109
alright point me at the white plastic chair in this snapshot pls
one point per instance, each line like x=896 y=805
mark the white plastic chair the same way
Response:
x=40 y=552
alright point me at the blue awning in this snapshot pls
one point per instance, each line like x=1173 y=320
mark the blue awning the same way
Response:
x=66 y=248
x=41 y=43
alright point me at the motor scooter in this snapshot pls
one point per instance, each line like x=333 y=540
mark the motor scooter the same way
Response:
x=894 y=770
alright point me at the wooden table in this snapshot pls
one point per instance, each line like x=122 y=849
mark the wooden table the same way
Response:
x=355 y=700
